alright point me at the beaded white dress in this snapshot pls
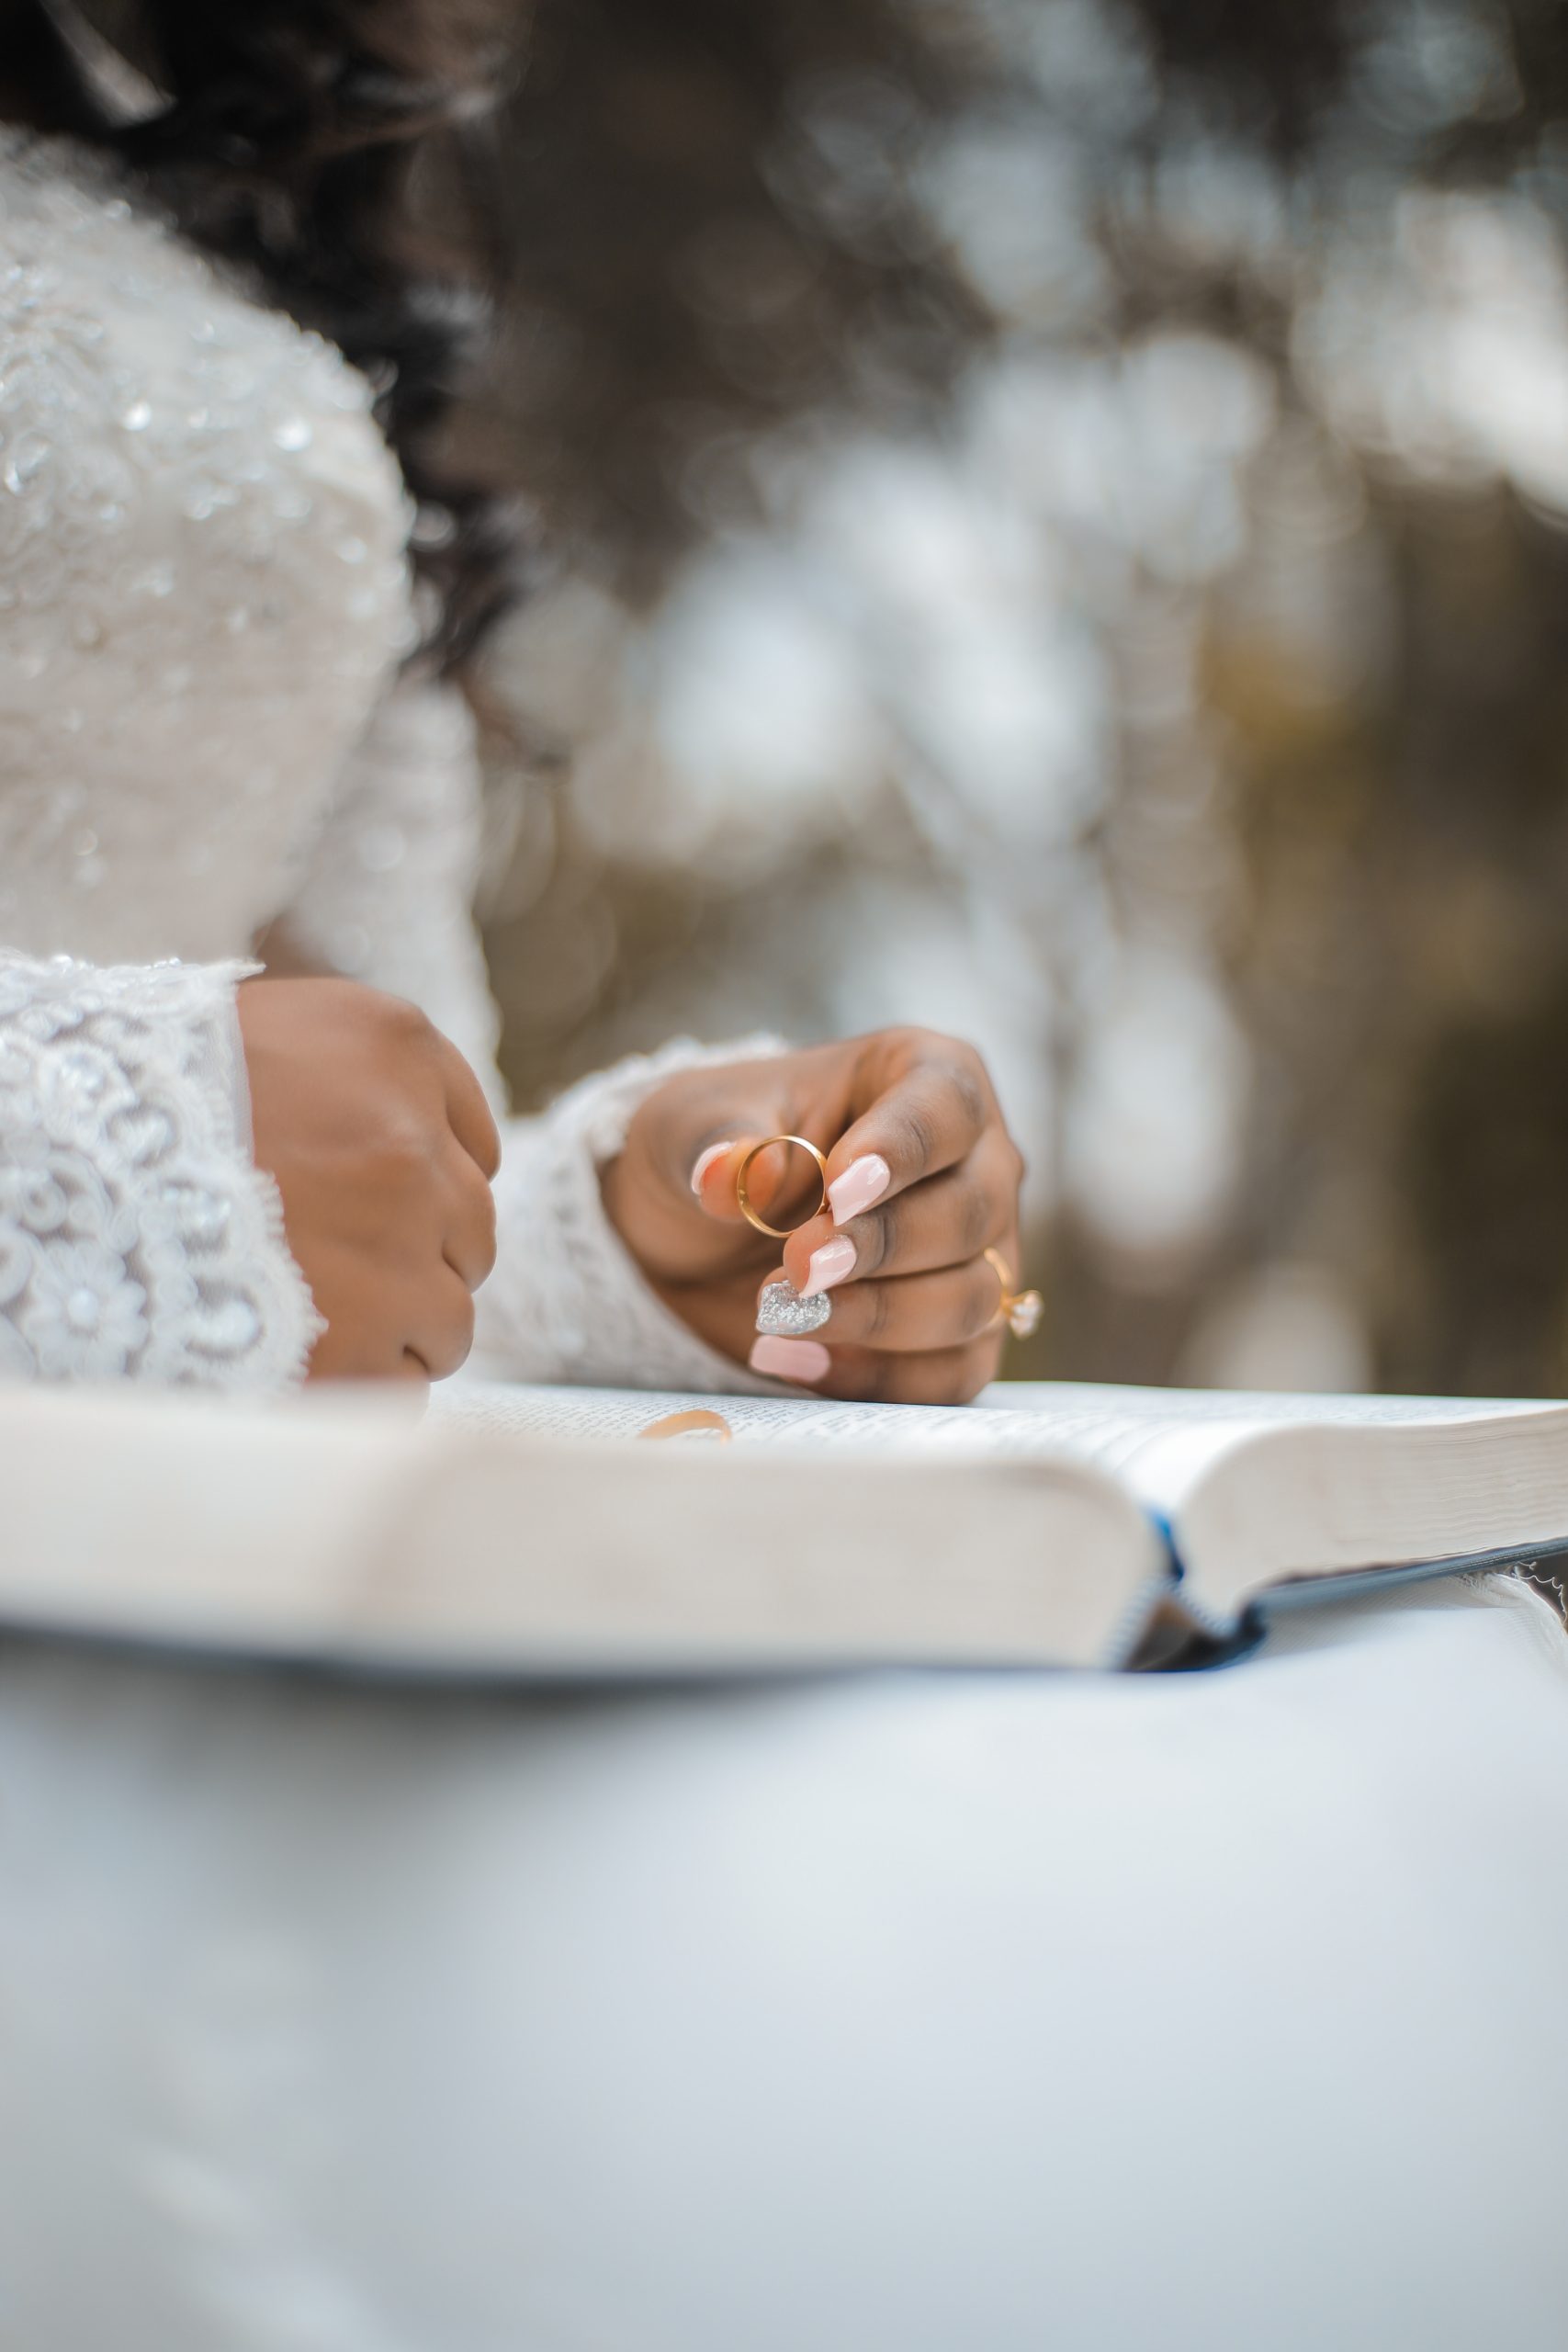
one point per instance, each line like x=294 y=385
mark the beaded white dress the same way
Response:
x=205 y=607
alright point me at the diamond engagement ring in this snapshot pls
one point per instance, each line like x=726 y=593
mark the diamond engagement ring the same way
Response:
x=1021 y=1309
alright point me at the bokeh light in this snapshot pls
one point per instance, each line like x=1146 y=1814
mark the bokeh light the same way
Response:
x=1053 y=526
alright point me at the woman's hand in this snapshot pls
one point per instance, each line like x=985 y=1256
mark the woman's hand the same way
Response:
x=382 y=1145
x=922 y=1176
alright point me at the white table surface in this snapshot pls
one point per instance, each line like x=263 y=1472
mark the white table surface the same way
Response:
x=884 y=2014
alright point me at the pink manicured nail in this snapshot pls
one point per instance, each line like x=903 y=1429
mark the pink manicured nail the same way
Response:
x=790 y=1358
x=864 y=1181
x=834 y=1262
x=705 y=1161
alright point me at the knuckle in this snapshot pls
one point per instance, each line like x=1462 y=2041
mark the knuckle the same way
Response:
x=477 y=1198
x=974 y=1219
x=955 y=1377
x=920 y=1131
x=456 y=1339
x=967 y=1078
x=873 y=1380
x=489 y=1234
x=981 y=1301
x=931 y=1045
x=484 y=1254
x=875 y=1237
x=402 y=1019
x=405 y=1161
x=934 y=1380
x=875 y=1310
x=955 y=1056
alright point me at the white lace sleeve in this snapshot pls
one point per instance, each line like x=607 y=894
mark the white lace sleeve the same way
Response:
x=137 y=1240
x=388 y=900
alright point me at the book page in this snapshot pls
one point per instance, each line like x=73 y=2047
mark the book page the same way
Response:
x=1120 y=1430
x=611 y=1413
x=1246 y=1489
x=1167 y=1448
x=1162 y=1440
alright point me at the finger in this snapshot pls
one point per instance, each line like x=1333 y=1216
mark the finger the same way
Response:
x=339 y=1357
x=782 y=1182
x=364 y=1337
x=468 y=1220
x=440 y=1330
x=929 y=1114
x=941 y=1377
x=945 y=1376
x=945 y=1222
x=471 y=1119
x=909 y=1316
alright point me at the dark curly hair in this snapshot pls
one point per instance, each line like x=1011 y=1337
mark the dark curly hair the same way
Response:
x=286 y=137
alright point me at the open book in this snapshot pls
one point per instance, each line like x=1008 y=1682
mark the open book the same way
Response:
x=536 y=1531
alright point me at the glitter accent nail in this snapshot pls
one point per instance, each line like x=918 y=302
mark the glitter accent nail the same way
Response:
x=789 y=1313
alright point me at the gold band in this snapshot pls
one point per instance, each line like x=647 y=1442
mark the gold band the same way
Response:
x=778 y=1232
x=699 y=1422
x=1020 y=1310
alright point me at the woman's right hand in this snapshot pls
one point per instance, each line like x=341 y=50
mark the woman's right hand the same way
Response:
x=382 y=1146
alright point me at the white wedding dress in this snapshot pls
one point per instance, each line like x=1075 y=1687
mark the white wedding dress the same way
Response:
x=204 y=605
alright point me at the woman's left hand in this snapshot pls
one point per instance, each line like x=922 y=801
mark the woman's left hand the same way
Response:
x=922 y=1177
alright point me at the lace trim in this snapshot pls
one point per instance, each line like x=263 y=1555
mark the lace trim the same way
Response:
x=136 y=1240
x=567 y=1302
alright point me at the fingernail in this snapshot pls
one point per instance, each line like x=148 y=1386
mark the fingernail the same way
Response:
x=705 y=1161
x=789 y=1312
x=864 y=1181
x=834 y=1262
x=790 y=1358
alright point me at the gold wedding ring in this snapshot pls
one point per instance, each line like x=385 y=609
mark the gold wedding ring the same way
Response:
x=1021 y=1309
x=697 y=1422
x=778 y=1232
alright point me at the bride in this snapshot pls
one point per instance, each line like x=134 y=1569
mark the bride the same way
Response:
x=250 y=1123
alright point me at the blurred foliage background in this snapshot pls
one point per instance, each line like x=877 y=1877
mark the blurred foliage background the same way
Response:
x=1052 y=521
